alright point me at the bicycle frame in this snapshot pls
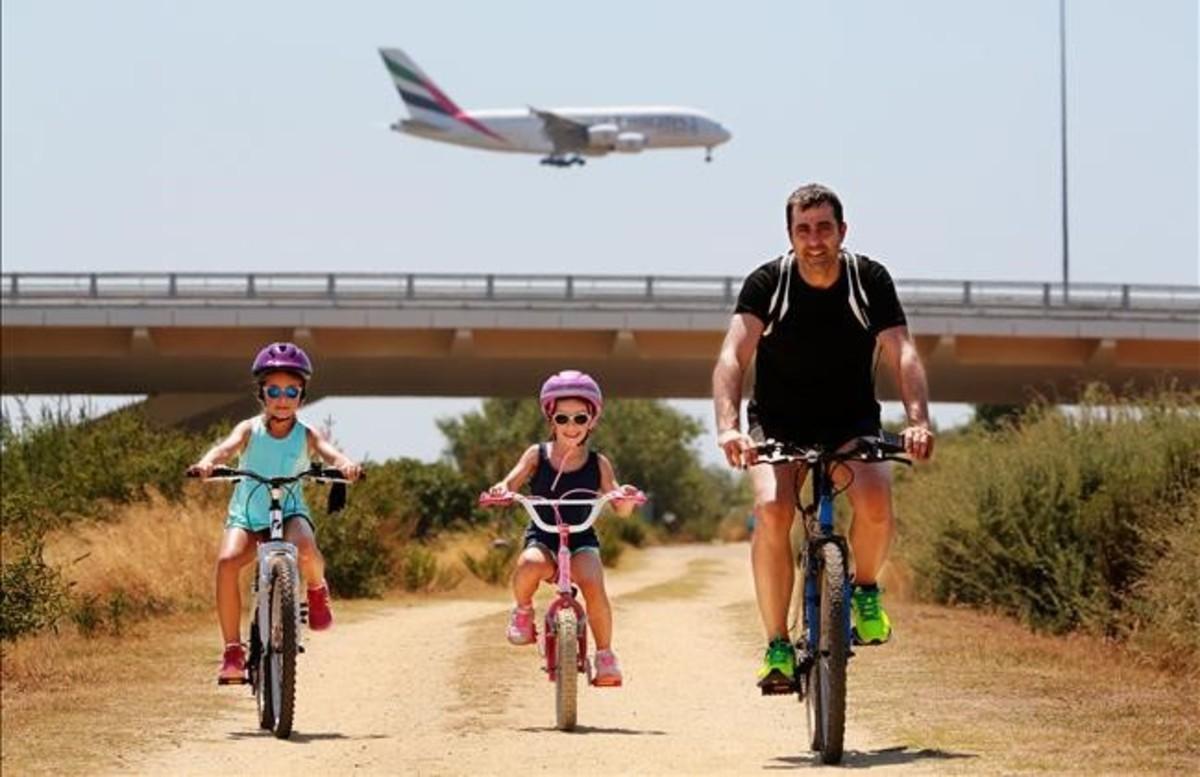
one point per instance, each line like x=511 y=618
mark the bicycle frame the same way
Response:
x=275 y=546
x=819 y=530
x=565 y=590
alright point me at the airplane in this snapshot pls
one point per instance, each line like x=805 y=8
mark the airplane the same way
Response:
x=563 y=135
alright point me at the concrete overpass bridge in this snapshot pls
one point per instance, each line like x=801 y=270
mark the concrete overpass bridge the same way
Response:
x=185 y=339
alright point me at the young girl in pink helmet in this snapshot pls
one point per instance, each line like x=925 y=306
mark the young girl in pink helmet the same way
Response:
x=275 y=443
x=572 y=403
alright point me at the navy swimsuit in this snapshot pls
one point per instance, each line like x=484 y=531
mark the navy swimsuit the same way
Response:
x=588 y=477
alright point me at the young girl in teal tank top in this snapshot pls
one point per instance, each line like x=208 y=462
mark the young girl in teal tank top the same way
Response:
x=275 y=443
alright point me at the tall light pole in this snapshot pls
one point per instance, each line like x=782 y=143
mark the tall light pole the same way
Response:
x=1062 y=90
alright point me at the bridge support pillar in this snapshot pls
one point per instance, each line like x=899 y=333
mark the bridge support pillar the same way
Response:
x=463 y=343
x=624 y=345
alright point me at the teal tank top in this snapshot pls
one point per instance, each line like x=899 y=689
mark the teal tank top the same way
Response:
x=250 y=505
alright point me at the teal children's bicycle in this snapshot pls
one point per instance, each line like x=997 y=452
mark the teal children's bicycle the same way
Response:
x=277 y=609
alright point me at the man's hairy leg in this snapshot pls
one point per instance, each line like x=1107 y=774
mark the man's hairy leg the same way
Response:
x=770 y=547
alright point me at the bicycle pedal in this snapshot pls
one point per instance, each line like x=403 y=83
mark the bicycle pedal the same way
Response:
x=776 y=684
x=304 y=612
x=778 y=689
x=233 y=681
x=300 y=648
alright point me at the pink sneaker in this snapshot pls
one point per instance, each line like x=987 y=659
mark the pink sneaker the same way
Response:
x=521 y=630
x=608 y=672
x=233 y=665
x=320 y=617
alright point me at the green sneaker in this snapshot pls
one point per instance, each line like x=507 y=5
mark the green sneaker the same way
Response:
x=778 y=671
x=871 y=623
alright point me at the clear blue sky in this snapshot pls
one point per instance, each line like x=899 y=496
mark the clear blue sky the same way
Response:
x=252 y=136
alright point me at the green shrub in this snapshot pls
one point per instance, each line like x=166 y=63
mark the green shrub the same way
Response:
x=419 y=499
x=611 y=544
x=631 y=530
x=494 y=567
x=419 y=568
x=33 y=595
x=62 y=464
x=357 y=560
x=1161 y=616
x=1049 y=519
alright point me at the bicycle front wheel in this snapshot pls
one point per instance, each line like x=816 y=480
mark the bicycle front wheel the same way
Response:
x=260 y=677
x=566 y=671
x=281 y=648
x=827 y=677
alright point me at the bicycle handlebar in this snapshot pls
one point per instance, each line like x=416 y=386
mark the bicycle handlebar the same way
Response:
x=530 y=503
x=870 y=448
x=316 y=473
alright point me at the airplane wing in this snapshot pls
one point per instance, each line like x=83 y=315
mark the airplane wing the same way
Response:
x=564 y=133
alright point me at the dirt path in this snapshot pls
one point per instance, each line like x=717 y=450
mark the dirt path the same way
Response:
x=435 y=690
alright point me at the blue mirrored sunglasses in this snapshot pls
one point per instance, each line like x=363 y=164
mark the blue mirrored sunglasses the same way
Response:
x=275 y=392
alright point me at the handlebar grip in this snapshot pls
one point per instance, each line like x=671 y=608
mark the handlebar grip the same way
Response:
x=217 y=472
x=334 y=472
x=487 y=499
x=638 y=499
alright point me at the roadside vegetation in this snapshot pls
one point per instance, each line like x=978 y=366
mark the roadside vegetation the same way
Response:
x=1087 y=520
x=99 y=529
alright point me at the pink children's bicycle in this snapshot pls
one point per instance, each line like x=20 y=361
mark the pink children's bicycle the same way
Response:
x=563 y=641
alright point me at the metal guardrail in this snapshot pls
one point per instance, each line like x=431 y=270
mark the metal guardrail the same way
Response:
x=715 y=292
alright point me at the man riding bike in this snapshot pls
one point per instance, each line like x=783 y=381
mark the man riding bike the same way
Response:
x=813 y=320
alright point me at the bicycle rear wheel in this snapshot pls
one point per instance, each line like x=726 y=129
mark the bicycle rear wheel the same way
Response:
x=827 y=677
x=281 y=647
x=566 y=671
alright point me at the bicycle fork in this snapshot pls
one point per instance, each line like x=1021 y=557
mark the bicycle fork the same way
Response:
x=268 y=551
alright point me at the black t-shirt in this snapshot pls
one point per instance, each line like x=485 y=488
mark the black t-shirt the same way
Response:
x=814 y=368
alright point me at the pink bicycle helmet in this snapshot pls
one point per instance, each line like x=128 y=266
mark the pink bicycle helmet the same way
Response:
x=288 y=357
x=571 y=383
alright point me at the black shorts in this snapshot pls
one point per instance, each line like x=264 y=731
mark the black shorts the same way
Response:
x=831 y=437
x=583 y=541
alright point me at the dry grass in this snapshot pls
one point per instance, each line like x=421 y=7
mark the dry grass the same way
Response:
x=57 y=687
x=154 y=548
x=980 y=694
x=82 y=701
x=957 y=681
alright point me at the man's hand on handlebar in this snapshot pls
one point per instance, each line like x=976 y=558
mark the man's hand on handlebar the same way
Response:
x=738 y=448
x=918 y=440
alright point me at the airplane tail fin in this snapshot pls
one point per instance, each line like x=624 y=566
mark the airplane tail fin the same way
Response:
x=426 y=103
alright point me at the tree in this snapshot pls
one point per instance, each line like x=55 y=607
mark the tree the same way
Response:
x=650 y=443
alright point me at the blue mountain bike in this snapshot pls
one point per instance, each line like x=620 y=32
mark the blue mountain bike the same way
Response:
x=822 y=633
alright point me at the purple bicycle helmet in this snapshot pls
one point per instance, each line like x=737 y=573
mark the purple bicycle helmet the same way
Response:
x=571 y=383
x=288 y=357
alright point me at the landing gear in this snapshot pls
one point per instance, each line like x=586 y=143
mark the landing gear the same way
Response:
x=708 y=154
x=567 y=160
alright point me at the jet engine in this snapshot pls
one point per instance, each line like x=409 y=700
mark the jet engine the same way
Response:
x=602 y=135
x=630 y=142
